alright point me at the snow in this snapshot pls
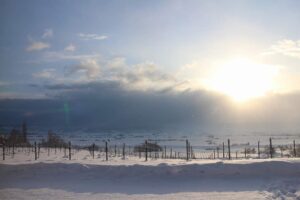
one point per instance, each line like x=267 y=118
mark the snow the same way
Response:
x=56 y=177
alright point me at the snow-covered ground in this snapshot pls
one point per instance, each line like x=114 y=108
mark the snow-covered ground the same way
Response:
x=56 y=177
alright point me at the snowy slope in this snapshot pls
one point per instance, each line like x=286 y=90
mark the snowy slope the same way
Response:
x=55 y=177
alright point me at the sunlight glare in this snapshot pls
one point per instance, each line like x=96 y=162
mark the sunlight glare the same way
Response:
x=243 y=79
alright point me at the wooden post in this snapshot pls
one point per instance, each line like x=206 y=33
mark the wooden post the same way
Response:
x=106 y=151
x=223 y=150
x=258 y=149
x=171 y=153
x=271 y=148
x=245 y=153
x=236 y=154
x=214 y=154
x=93 y=149
x=115 y=150
x=35 y=152
x=229 y=156
x=123 y=151
x=70 y=151
x=146 y=150
x=3 y=151
x=295 y=154
x=218 y=152
x=187 y=150
x=165 y=152
x=48 y=150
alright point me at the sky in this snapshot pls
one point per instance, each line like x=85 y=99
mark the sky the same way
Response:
x=142 y=64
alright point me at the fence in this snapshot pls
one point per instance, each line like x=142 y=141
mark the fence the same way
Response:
x=150 y=150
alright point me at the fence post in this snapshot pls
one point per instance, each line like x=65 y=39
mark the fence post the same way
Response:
x=245 y=153
x=123 y=151
x=35 y=153
x=171 y=153
x=69 y=150
x=218 y=152
x=229 y=156
x=115 y=150
x=93 y=148
x=214 y=154
x=106 y=151
x=236 y=154
x=223 y=150
x=258 y=149
x=3 y=151
x=146 y=150
x=271 y=148
x=187 y=150
x=295 y=154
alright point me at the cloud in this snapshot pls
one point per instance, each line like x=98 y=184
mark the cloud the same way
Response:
x=52 y=56
x=70 y=47
x=37 y=46
x=87 y=36
x=45 y=74
x=285 y=47
x=142 y=76
x=48 y=33
x=117 y=62
x=147 y=76
x=108 y=105
x=89 y=67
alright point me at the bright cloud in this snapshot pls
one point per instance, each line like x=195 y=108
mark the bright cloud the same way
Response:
x=87 y=36
x=285 y=47
x=89 y=67
x=70 y=47
x=117 y=62
x=37 y=46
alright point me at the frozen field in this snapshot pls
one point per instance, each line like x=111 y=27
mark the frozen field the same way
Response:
x=56 y=177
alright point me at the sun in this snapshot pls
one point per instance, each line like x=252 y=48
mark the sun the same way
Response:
x=243 y=79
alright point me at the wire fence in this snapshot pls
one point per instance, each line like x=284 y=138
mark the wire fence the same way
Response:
x=149 y=150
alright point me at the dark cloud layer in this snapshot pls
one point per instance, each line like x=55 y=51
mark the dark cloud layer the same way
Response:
x=108 y=105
